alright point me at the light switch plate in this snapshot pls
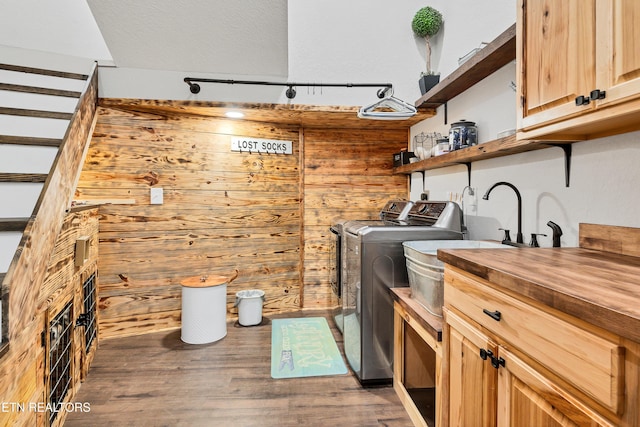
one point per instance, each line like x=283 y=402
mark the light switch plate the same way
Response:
x=157 y=196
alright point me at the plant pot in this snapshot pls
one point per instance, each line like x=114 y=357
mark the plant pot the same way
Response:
x=427 y=82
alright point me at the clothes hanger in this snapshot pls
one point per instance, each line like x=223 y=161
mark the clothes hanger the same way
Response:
x=388 y=108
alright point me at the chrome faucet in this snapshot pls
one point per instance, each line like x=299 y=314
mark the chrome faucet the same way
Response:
x=519 y=238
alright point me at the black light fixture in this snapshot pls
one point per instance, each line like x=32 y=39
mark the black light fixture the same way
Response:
x=388 y=108
x=290 y=93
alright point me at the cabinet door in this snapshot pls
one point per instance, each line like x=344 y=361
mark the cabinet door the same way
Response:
x=556 y=56
x=472 y=380
x=528 y=398
x=618 y=71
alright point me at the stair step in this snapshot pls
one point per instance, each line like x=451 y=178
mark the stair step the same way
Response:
x=43 y=72
x=33 y=127
x=40 y=90
x=35 y=113
x=30 y=140
x=23 y=177
x=13 y=224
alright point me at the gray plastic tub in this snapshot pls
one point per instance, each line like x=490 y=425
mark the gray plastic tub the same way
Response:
x=426 y=271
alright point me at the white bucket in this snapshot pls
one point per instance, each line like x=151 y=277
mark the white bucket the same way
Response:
x=249 y=305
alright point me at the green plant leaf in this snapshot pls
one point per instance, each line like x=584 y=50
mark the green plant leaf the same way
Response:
x=426 y=22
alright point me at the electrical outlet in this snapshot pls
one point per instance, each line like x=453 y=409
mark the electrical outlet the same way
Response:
x=157 y=196
x=473 y=203
x=473 y=195
x=424 y=195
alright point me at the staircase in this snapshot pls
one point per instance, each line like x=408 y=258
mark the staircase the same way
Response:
x=47 y=110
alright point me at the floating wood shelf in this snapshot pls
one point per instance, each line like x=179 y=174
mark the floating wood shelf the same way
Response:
x=492 y=57
x=488 y=150
x=489 y=59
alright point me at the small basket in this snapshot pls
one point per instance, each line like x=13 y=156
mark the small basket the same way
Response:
x=423 y=144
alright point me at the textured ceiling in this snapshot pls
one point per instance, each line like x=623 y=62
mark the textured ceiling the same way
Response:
x=239 y=37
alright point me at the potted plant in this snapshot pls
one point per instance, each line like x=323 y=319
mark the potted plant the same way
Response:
x=426 y=23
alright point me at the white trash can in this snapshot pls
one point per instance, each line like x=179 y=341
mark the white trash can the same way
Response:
x=249 y=305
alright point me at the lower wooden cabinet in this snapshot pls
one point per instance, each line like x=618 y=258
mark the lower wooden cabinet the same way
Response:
x=489 y=386
x=527 y=397
x=513 y=369
x=417 y=362
x=472 y=381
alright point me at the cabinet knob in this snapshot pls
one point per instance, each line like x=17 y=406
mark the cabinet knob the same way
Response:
x=582 y=100
x=486 y=354
x=597 y=94
x=496 y=362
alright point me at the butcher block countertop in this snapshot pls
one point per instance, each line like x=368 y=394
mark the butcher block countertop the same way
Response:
x=599 y=287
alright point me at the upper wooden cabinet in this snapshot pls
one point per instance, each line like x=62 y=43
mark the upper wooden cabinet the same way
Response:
x=557 y=59
x=618 y=30
x=579 y=72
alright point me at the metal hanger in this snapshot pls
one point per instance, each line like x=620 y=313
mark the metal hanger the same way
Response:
x=388 y=108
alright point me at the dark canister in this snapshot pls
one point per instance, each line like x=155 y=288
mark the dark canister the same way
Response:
x=462 y=134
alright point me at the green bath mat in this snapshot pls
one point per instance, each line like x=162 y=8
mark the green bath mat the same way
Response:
x=304 y=347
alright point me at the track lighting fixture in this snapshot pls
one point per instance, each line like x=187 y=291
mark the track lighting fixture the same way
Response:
x=194 y=87
x=390 y=108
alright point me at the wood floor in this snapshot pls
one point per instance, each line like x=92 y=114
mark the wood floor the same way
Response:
x=157 y=380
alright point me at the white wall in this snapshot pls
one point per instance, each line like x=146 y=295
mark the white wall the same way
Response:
x=63 y=26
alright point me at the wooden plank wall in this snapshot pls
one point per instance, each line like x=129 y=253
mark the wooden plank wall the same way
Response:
x=266 y=215
x=222 y=211
x=62 y=284
x=347 y=175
